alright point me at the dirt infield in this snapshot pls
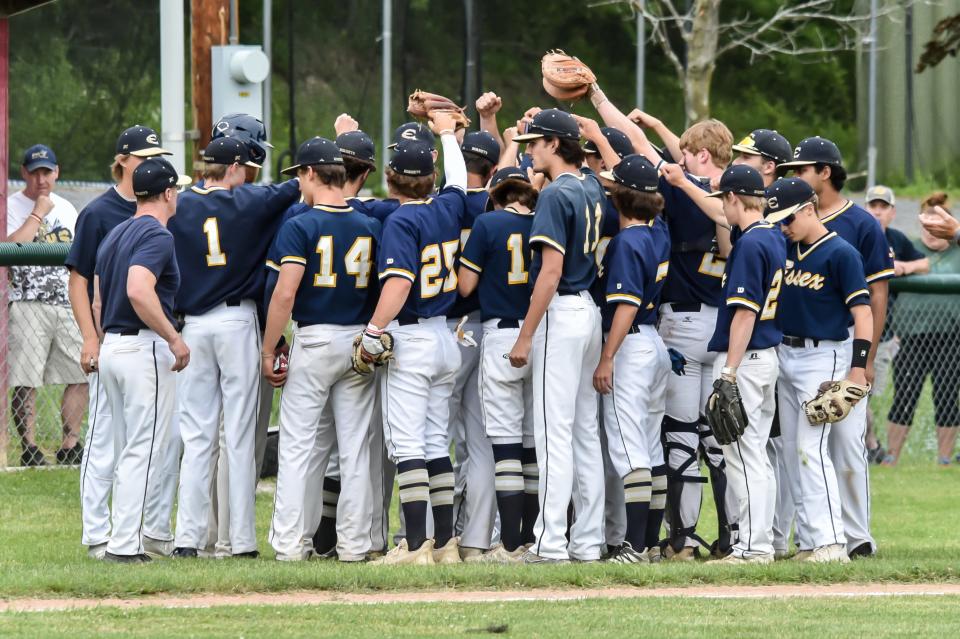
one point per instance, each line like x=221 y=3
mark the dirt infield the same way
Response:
x=455 y=596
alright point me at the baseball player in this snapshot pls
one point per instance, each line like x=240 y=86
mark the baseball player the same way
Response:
x=817 y=161
x=823 y=286
x=416 y=263
x=560 y=337
x=765 y=151
x=745 y=339
x=221 y=233
x=691 y=296
x=96 y=220
x=136 y=279
x=335 y=247
x=495 y=265
x=634 y=365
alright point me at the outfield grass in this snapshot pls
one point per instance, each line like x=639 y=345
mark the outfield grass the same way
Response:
x=874 y=617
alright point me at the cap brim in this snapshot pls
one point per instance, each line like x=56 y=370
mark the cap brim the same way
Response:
x=42 y=164
x=607 y=175
x=392 y=145
x=779 y=216
x=716 y=194
x=787 y=165
x=253 y=165
x=149 y=152
x=749 y=150
x=291 y=170
x=526 y=137
x=590 y=151
x=184 y=180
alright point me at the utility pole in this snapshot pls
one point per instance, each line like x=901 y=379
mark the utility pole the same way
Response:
x=172 y=124
x=386 y=71
x=641 y=43
x=208 y=28
x=266 y=173
x=872 y=100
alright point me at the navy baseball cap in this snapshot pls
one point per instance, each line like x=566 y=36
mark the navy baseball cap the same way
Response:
x=412 y=157
x=413 y=131
x=618 y=140
x=357 y=145
x=482 y=144
x=39 y=156
x=767 y=143
x=634 y=172
x=155 y=175
x=742 y=180
x=815 y=150
x=500 y=177
x=141 y=141
x=315 y=151
x=228 y=151
x=785 y=197
x=551 y=122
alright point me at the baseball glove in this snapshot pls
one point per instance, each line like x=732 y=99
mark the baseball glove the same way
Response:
x=565 y=77
x=421 y=104
x=363 y=361
x=725 y=412
x=834 y=401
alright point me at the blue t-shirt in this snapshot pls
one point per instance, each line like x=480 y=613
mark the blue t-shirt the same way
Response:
x=140 y=241
x=567 y=218
x=499 y=252
x=695 y=270
x=862 y=231
x=821 y=283
x=373 y=207
x=753 y=279
x=221 y=237
x=634 y=268
x=421 y=242
x=337 y=247
x=97 y=218
x=903 y=251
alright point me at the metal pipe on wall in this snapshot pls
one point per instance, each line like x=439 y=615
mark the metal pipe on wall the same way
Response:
x=172 y=79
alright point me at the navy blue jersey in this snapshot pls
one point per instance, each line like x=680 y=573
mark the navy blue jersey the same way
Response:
x=97 y=218
x=695 y=270
x=498 y=250
x=141 y=241
x=862 y=231
x=567 y=218
x=337 y=247
x=634 y=268
x=222 y=236
x=820 y=284
x=373 y=207
x=476 y=204
x=421 y=242
x=753 y=279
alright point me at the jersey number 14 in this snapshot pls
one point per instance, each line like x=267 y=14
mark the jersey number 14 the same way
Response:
x=357 y=261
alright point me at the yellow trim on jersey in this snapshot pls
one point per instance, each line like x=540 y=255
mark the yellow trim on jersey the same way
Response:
x=759 y=225
x=742 y=301
x=476 y=189
x=426 y=201
x=881 y=275
x=402 y=272
x=856 y=294
x=272 y=265
x=470 y=265
x=546 y=240
x=296 y=259
x=208 y=190
x=624 y=297
x=803 y=254
x=333 y=209
x=835 y=214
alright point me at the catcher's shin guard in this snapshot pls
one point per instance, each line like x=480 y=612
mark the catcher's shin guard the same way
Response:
x=683 y=478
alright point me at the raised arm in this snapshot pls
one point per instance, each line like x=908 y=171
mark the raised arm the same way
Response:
x=488 y=105
x=646 y=121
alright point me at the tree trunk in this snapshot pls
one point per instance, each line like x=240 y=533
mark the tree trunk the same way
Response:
x=701 y=59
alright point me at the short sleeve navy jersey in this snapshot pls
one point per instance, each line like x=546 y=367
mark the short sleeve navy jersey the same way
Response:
x=634 y=268
x=821 y=283
x=421 y=242
x=96 y=220
x=753 y=279
x=499 y=252
x=695 y=270
x=862 y=231
x=222 y=236
x=567 y=218
x=141 y=241
x=337 y=248
x=476 y=204
x=372 y=207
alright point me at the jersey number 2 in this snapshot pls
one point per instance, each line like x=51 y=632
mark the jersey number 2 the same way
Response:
x=357 y=262
x=770 y=306
x=215 y=256
x=434 y=259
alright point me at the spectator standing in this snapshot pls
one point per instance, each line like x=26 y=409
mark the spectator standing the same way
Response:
x=44 y=339
x=929 y=329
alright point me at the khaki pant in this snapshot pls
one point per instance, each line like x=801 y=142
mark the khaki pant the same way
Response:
x=45 y=345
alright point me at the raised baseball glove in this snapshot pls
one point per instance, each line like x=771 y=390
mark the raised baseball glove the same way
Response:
x=725 y=412
x=421 y=104
x=362 y=360
x=834 y=401
x=565 y=77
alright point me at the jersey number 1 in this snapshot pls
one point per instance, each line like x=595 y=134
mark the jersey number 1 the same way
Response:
x=215 y=256
x=594 y=224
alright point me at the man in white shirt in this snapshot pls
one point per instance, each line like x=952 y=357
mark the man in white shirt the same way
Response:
x=44 y=339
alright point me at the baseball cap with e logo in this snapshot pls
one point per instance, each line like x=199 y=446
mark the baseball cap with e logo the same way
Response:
x=140 y=141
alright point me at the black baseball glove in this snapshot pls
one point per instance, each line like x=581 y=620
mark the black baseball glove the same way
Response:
x=725 y=412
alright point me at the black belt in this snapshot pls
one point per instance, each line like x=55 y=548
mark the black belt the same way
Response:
x=797 y=342
x=568 y=292
x=634 y=329
x=508 y=323
x=685 y=307
x=407 y=321
x=130 y=331
x=235 y=302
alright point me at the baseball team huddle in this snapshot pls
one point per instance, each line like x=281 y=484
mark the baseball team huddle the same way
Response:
x=582 y=323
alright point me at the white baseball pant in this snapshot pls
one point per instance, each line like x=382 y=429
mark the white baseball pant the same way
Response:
x=506 y=393
x=96 y=471
x=162 y=490
x=785 y=511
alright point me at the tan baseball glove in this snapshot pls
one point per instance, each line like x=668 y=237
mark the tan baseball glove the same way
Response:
x=834 y=401
x=421 y=104
x=565 y=77
x=380 y=350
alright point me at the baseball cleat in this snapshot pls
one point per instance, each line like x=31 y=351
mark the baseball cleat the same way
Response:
x=126 y=559
x=498 y=555
x=625 y=554
x=862 y=551
x=449 y=553
x=832 y=553
x=801 y=555
x=654 y=554
x=687 y=553
x=376 y=554
x=184 y=553
x=157 y=548
x=471 y=555
x=530 y=557
x=781 y=553
x=250 y=554
x=97 y=551
x=401 y=554
x=735 y=560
